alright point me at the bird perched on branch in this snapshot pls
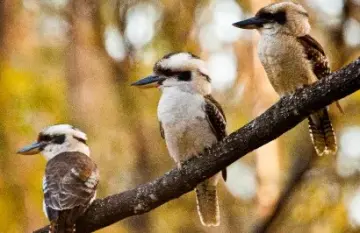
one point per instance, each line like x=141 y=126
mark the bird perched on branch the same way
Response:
x=71 y=177
x=293 y=59
x=191 y=120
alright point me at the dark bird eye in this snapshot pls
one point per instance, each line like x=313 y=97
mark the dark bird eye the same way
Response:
x=279 y=17
x=266 y=15
x=44 y=138
x=184 y=76
x=166 y=72
x=59 y=139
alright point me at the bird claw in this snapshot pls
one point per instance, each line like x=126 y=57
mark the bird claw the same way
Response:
x=282 y=97
x=178 y=165
x=300 y=88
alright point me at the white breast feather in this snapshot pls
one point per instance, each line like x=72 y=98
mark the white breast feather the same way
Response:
x=187 y=131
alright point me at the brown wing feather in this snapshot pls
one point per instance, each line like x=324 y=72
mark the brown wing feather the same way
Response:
x=216 y=117
x=316 y=56
x=70 y=183
x=321 y=131
x=217 y=121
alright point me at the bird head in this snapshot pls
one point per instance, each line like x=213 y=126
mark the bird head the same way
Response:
x=284 y=17
x=57 y=139
x=180 y=70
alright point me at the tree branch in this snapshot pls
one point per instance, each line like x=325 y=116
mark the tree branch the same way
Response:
x=278 y=119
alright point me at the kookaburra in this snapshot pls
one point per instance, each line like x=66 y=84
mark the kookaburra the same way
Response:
x=71 y=177
x=293 y=59
x=191 y=120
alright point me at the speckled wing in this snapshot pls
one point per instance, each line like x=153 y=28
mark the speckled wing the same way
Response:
x=317 y=58
x=316 y=55
x=321 y=131
x=69 y=184
x=217 y=121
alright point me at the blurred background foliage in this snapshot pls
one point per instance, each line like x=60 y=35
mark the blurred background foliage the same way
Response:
x=73 y=61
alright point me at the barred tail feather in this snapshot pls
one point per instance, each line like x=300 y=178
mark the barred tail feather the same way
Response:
x=63 y=223
x=61 y=227
x=322 y=133
x=207 y=204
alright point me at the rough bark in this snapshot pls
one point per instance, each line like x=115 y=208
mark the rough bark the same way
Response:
x=278 y=119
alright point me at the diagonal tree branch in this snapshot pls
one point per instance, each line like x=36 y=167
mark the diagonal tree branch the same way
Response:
x=278 y=119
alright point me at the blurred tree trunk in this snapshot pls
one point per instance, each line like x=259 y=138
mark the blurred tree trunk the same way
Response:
x=92 y=94
x=90 y=72
x=178 y=24
x=138 y=150
x=2 y=24
x=13 y=194
x=91 y=75
x=6 y=17
x=101 y=102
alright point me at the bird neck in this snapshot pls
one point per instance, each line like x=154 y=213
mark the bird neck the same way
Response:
x=51 y=151
x=197 y=87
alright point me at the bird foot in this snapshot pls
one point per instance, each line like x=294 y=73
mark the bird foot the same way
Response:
x=178 y=165
x=282 y=97
x=300 y=88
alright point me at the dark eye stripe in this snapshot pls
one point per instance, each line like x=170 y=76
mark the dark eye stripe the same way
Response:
x=165 y=72
x=58 y=139
x=181 y=75
x=44 y=138
x=265 y=15
x=279 y=17
x=184 y=76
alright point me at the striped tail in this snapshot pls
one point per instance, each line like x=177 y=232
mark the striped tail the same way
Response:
x=63 y=224
x=322 y=133
x=61 y=227
x=207 y=204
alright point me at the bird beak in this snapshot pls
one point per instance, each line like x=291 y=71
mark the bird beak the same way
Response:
x=32 y=149
x=148 y=82
x=251 y=23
